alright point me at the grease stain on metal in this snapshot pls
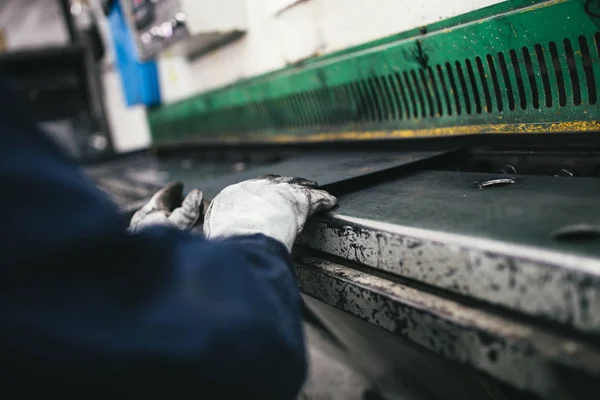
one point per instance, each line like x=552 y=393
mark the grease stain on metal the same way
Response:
x=539 y=288
x=519 y=354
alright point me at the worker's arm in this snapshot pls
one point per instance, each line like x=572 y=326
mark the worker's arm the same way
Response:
x=87 y=308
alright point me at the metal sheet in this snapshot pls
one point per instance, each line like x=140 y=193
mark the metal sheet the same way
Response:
x=493 y=244
x=440 y=229
x=132 y=181
x=325 y=168
x=522 y=355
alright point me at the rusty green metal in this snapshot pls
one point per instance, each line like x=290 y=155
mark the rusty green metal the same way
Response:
x=510 y=66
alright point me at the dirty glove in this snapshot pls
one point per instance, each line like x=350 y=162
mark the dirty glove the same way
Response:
x=272 y=205
x=166 y=208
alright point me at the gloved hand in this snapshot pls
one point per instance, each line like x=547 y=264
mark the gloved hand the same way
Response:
x=272 y=205
x=167 y=208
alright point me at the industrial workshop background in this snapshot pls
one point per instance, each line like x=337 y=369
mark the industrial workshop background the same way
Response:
x=460 y=137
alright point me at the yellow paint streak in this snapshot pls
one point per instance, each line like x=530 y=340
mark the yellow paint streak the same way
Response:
x=505 y=129
x=564 y=127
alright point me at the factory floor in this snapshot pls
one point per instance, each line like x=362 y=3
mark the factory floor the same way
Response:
x=330 y=377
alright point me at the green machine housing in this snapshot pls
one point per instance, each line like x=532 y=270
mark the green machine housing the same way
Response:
x=519 y=66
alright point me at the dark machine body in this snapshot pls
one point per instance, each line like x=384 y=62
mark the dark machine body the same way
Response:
x=433 y=269
x=463 y=260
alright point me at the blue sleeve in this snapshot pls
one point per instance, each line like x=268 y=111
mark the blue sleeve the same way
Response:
x=86 y=308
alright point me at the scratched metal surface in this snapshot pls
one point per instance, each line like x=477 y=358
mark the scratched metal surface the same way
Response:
x=522 y=355
x=493 y=244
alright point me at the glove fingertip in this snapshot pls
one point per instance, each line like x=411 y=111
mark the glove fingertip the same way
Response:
x=194 y=198
x=169 y=197
x=324 y=201
x=327 y=197
x=330 y=204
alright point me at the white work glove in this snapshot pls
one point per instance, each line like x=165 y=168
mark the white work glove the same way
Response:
x=166 y=208
x=272 y=205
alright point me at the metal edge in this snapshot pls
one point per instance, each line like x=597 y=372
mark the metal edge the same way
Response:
x=521 y=355
x=558 y=287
